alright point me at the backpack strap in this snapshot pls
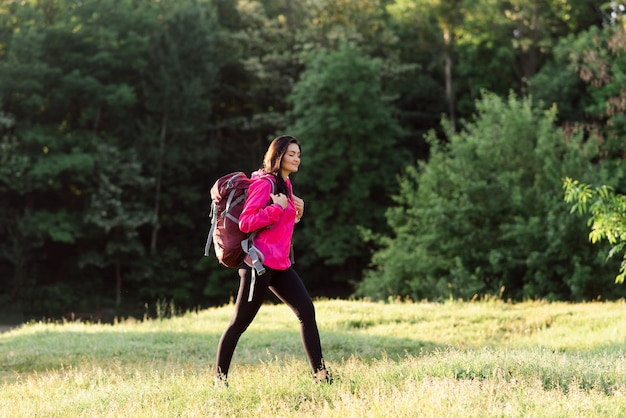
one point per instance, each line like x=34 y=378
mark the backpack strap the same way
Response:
x=269 y=178
x=209 y=240
x=229 y=203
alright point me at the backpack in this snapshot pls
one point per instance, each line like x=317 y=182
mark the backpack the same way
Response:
x=232 y=246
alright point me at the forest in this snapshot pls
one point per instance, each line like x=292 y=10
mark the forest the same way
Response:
x=436 y=138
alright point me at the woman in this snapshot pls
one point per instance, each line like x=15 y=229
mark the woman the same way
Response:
x=274 y=223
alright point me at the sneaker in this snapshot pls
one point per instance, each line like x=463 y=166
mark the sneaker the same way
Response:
x=220 y=381
x=322 y=376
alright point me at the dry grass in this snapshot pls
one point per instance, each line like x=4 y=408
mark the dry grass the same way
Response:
x=485 y=358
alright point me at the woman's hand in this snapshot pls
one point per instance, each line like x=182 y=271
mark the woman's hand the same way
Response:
x=299 y=203
x=280 y=199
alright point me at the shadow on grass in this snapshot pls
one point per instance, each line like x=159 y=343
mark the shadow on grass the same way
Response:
x=56 y=349
x=170 y=351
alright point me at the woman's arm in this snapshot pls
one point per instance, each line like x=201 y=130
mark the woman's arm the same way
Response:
x=256 y=213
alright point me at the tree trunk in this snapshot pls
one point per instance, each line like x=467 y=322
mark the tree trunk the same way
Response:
x=448 y=76
x=96 y=119
x=118 y=281
x=159 y=180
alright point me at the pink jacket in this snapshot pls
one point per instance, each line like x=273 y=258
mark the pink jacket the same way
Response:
x=275 y=224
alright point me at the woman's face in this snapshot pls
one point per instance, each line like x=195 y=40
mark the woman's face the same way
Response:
x=291 y=160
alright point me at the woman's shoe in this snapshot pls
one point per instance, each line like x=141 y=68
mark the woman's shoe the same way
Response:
x=322 y=376
x=220 y=381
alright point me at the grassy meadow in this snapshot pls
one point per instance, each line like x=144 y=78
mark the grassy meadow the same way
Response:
x=463 y=359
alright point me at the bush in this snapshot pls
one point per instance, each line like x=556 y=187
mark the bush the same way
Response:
x=485 y=215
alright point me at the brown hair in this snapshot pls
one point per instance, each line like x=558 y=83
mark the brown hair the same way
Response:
x=274 y=158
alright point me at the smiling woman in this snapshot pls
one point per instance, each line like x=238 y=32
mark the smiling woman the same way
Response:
x=274 y=224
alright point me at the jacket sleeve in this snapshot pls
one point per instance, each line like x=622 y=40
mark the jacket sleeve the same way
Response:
x=256 y=213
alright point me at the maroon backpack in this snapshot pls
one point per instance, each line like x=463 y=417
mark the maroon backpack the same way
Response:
x=228 y=196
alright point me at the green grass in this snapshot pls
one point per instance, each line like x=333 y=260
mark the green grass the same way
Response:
x=464 y=359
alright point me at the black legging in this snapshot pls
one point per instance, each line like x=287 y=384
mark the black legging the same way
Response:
x=288 y=287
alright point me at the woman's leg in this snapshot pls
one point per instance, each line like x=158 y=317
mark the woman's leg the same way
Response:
x=289 y=288
x=242 y=317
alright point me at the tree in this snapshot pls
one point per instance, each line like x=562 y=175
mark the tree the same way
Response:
x=175 y=104
x=116 y=207
x=68 y=64
x=261 y=55
x=138 y=106
x=349 y=156
x=434 y=24
x=607 y=218
x=589 y=72
x=472 y=45
x=585 y=79
x=175 y=141
x=483 y=215
x=95 y=88
x=20 y=238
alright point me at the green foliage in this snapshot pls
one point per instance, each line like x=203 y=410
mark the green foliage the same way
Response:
x=108 y=100
x=607 y=219
x=175 y=102
x=585 y=79
x=116 y=116
x=358 y=22
x=593 y=62
x=349 y=158
x=490 y=45
x=482 y=216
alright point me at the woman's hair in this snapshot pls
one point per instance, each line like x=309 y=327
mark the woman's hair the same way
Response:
x=274 y=157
